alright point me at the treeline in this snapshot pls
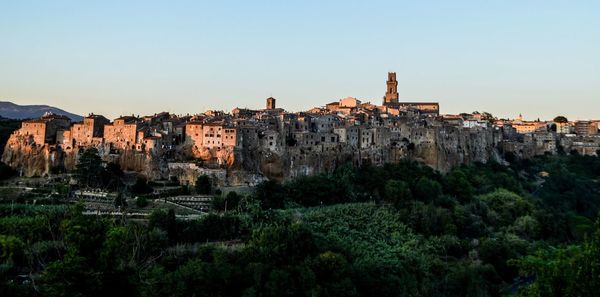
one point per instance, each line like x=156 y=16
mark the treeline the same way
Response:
x=398 y=230
x=7 y=127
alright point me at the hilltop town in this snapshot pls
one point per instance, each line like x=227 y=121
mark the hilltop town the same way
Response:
x=246 y=146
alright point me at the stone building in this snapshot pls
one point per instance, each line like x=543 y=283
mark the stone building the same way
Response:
x=64 y=139
x=194 y=134
x=563 y=128
x=349 y=102
x=586 y=128
x=151 y=144
x=122 y=133
x=44 y=130
x=88 y=132
x=271 y=140
x=211 y=134
x=277 y=144
x=332 y=107
x=529 y=127
x=229 y=136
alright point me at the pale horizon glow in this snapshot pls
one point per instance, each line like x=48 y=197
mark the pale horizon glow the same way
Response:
x=536 y=58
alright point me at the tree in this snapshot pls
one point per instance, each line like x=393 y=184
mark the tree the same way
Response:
x=332 y=274
x=506 y=207
x=398 y=193
x=141 y=202
x=227 y=202
x=458 y=185
x=166 y=221
x=73 y=276
x=283 y=245
x=270 y=194
x=561 y=119
x=568 y=271
x=111 y=176
x=487 y=116
x=321 y=189
x=427 y=190
x=120 y=201
x=11 y=249
x=203 y=185
x=526 y=227
x=83 y=234
x=5 y=171
x=89 y=168
x=141 y=186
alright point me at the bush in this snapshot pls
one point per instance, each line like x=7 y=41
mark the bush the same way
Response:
x=228 y=202
x=203 y=185
x=141 y=186
x=141 y=201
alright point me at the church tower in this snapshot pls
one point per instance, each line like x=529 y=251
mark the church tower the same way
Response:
x=270 y=103
x=391 y=94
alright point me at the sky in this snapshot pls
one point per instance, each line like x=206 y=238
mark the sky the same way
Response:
x=536 y=58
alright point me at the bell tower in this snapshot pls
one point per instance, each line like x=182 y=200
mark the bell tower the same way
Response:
x=391 y=94
x=270 y=103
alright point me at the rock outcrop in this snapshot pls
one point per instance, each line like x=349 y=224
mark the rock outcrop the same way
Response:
x=440 y=147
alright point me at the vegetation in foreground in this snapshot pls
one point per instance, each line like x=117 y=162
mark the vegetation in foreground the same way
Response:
x=401 y=230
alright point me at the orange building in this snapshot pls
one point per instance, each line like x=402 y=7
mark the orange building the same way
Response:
x=122 y=133
x=194 y=134
x=529 y=127
x=90 y=129
x=44 y=129
x=212 y=133
x=229 y=136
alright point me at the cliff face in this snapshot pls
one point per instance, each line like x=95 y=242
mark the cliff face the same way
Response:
x=31 y=159
x=188 y=173
x=22 y=154
x=456 y=146
x=440 y=147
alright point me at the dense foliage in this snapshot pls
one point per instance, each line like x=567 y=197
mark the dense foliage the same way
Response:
x=398 y=230
x=203 y=185
x=7 y=127
x=91 y=172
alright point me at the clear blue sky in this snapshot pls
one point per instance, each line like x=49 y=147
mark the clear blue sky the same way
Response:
x=539 y=58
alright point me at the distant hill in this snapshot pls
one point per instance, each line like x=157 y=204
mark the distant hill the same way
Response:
x=14 y=111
